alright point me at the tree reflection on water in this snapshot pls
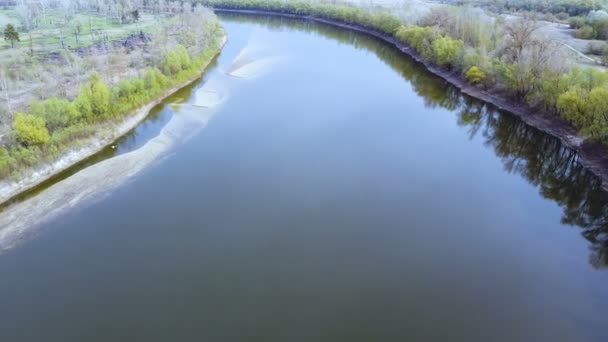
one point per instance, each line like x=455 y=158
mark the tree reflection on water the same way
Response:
x=539 y=158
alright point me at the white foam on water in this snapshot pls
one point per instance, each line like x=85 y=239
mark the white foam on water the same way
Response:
x=256 y=68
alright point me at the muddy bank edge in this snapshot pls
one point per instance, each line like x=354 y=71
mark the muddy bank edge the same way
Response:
x=593 y=155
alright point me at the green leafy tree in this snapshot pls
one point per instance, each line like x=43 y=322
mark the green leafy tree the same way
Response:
x=573 y=106
x=475 y=75
x=83 y=102
x=93 y=101
x=585 y=32
x=5 y=162
x=30 y=130
x=154 y=81
x=597 y=110
x=420 y=38
x=57 y=113
x=100 y=97
x=11 y=35
x=447 y=51
x=177 y=60
x=587 y=111
x=386 y=22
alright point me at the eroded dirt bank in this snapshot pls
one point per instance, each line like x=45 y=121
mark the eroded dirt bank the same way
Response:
x=593 y=155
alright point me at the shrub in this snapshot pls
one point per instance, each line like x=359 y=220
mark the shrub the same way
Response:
x=420 y=38
x=447 y=51
x=26 y=156
x=154 y=81
x=475 y=75
x=585 y=32
x=71 y=134
x=82 y=103
x=577 y=22
x=30 y=130
x=57 y=113
x=93 y=101
x=129 y=94
x=586 y=111
x=5 y=163
x=177 y=60
x=597 y=48
x=597 y=110
x=386 y=22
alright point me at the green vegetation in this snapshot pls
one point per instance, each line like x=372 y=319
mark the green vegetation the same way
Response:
x=475 y=76
x=11 y=35
x=379 y=20
x=520 y=66
x=47 y=127
x=50 y=126
x=447 y=51
x=30 y=130
x=177 y=61
x=592 y=26
x=504 y=57
x=584 y=102
x=419 y=38
x=57 y=113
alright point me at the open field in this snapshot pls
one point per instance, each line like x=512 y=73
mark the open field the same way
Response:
x=56 y=31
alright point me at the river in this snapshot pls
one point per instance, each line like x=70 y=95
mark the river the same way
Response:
x=342 y=194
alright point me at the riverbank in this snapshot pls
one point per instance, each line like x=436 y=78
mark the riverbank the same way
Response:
x=96 y=180
x=593 y=155
x=22 y=220
x=110 y=132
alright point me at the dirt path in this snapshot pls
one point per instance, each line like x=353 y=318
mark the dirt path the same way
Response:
x=575 y=49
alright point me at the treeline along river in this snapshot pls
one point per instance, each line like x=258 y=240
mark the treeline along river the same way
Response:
x=344 y=194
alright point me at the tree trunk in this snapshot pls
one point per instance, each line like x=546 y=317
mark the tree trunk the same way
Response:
x=31 y=43
x=6 y=94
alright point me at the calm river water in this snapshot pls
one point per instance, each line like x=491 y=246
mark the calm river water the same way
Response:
x=345 y=195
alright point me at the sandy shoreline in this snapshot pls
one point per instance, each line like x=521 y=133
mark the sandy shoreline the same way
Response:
x=10 y=189
x=593 y=155
x=95 y=181
x=22 y=220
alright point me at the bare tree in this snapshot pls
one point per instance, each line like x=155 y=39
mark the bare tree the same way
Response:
x=518 y=35
x=4 y=87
